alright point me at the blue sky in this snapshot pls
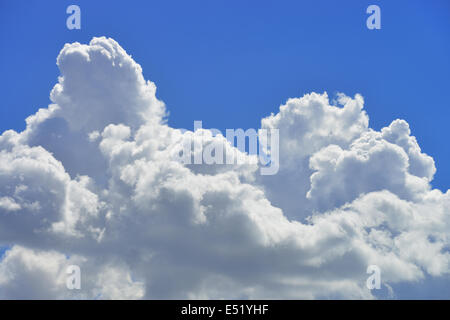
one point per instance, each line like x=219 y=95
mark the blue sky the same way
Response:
x=230 y=63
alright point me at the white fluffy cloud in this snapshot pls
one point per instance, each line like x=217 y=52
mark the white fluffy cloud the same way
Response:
x=92 y=181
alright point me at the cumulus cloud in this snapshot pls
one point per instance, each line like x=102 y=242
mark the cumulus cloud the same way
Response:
x=93 y=181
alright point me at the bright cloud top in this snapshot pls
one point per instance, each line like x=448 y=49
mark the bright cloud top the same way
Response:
x=91 y=181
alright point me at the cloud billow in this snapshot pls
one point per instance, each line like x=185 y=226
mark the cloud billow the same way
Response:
x=92 y=181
